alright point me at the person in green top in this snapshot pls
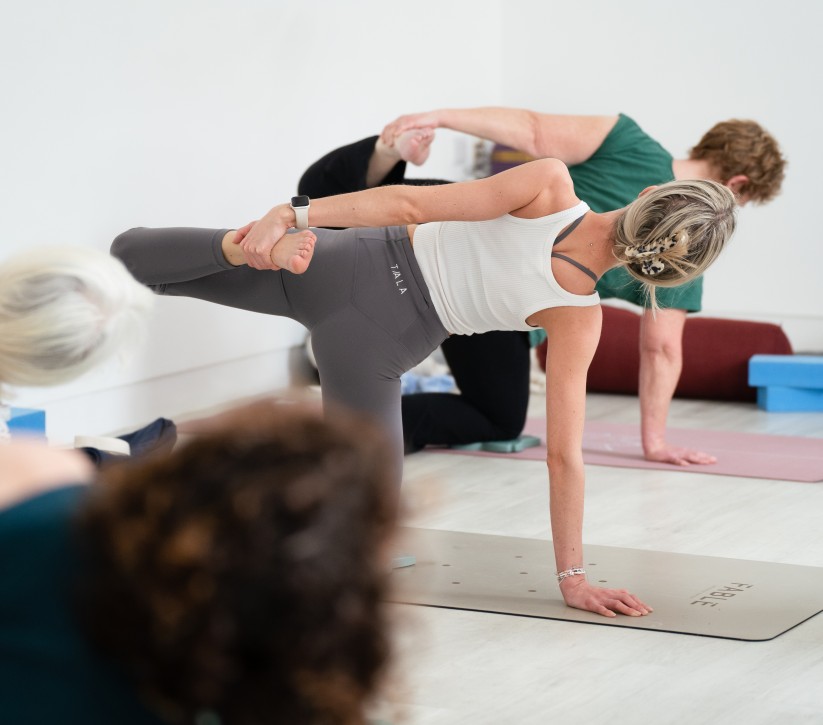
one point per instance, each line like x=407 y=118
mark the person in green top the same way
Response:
x=611 y=160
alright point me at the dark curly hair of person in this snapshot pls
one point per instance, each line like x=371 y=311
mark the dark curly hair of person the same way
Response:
x=244 y=574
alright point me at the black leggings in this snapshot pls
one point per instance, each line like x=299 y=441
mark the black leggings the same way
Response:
x=491 y=370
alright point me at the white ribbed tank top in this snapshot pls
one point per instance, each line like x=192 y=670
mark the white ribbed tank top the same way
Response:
x=492 y=275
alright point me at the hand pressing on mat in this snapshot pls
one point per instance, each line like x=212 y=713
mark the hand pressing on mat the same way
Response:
x=665 y=453
x=579 y=594
x=661 y=360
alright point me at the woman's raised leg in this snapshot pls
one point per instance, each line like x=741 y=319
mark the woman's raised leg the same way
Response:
x=192 y=262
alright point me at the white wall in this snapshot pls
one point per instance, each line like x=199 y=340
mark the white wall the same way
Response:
x=678 y=68
x=183 y=112
x=205 y=113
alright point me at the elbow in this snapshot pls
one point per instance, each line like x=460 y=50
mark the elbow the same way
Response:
x=661 y=336
x=661 y=350
x=408 y=212
x=533 y=143
x=563 y=461
x=554 y=173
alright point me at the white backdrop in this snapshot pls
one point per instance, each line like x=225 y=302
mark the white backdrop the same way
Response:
x=183 y=112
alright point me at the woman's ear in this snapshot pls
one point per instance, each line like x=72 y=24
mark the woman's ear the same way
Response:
x=738 y=185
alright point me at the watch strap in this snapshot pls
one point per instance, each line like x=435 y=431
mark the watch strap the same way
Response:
x=300 y=206
x=301 y=217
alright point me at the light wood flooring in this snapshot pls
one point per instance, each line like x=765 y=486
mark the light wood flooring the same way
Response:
x=459 y=667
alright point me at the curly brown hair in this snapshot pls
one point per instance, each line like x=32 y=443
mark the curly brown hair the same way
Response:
x=244 y=573
x=744 y=147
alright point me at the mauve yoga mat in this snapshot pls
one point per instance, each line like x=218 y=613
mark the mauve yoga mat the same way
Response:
x=752 y=455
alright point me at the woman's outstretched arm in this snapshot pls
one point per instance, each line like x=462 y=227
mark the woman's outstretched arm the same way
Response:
x=573 y=334
x=572 y=139
x=531 y=190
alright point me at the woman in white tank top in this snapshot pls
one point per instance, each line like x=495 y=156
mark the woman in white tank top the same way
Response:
x=520 y=250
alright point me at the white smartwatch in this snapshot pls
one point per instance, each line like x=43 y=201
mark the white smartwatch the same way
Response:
x=300 y=205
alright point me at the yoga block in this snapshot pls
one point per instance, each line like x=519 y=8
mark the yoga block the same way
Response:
x=27 y=422
x=779 y=399
x=792 y=371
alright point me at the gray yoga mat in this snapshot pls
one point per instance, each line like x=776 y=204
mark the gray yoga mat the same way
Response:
x=704 y=595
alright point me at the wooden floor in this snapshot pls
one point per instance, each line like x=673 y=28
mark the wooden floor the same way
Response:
x=458 y=667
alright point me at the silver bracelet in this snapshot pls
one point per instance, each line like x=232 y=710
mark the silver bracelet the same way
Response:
x=574 y=571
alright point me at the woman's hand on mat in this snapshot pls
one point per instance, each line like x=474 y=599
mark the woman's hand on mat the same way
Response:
x=579 y=594
x=257 y=239
x=677 y=456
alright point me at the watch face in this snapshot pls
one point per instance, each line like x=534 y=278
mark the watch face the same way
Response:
x=298 y=201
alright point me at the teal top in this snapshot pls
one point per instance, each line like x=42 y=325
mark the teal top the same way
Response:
x=48 y=671
x=627 y=162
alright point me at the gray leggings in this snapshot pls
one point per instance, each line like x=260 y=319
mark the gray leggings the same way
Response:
x=363 y=299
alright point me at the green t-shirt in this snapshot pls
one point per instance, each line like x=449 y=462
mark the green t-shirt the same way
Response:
x=627 y=162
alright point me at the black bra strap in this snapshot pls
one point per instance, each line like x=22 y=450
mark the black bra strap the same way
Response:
x=581 y=267
x=569 y=229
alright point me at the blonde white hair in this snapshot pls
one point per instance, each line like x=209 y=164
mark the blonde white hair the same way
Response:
x=62 y=311
x=671 y=234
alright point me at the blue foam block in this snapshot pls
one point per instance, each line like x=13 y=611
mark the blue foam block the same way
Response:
x=793 y=371
x=782 y=399
x=27 y=422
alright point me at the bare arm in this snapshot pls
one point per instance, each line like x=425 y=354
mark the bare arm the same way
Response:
x=573 y=333
x=661 y=361
x=572 y=139
x=531 y=190
x=30 y=468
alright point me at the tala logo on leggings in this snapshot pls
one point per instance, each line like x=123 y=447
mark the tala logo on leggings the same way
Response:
x=398 y=278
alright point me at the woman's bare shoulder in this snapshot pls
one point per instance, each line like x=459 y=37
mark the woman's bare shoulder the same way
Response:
x=30 y=468
x=556 y=190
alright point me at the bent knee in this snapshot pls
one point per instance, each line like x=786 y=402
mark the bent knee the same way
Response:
x=127 y=248
x=124 y=243
x=509 y=432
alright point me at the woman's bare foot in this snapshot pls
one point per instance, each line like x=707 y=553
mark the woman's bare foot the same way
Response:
x=414 y=145
x=293 y=252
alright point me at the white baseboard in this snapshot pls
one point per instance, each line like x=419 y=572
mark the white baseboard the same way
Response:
x=134 y=405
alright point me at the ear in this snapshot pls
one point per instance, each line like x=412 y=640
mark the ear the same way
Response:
x=647 y=190
x=737 y=184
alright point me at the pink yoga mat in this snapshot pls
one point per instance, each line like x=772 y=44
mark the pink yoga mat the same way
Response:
x=753 y=455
